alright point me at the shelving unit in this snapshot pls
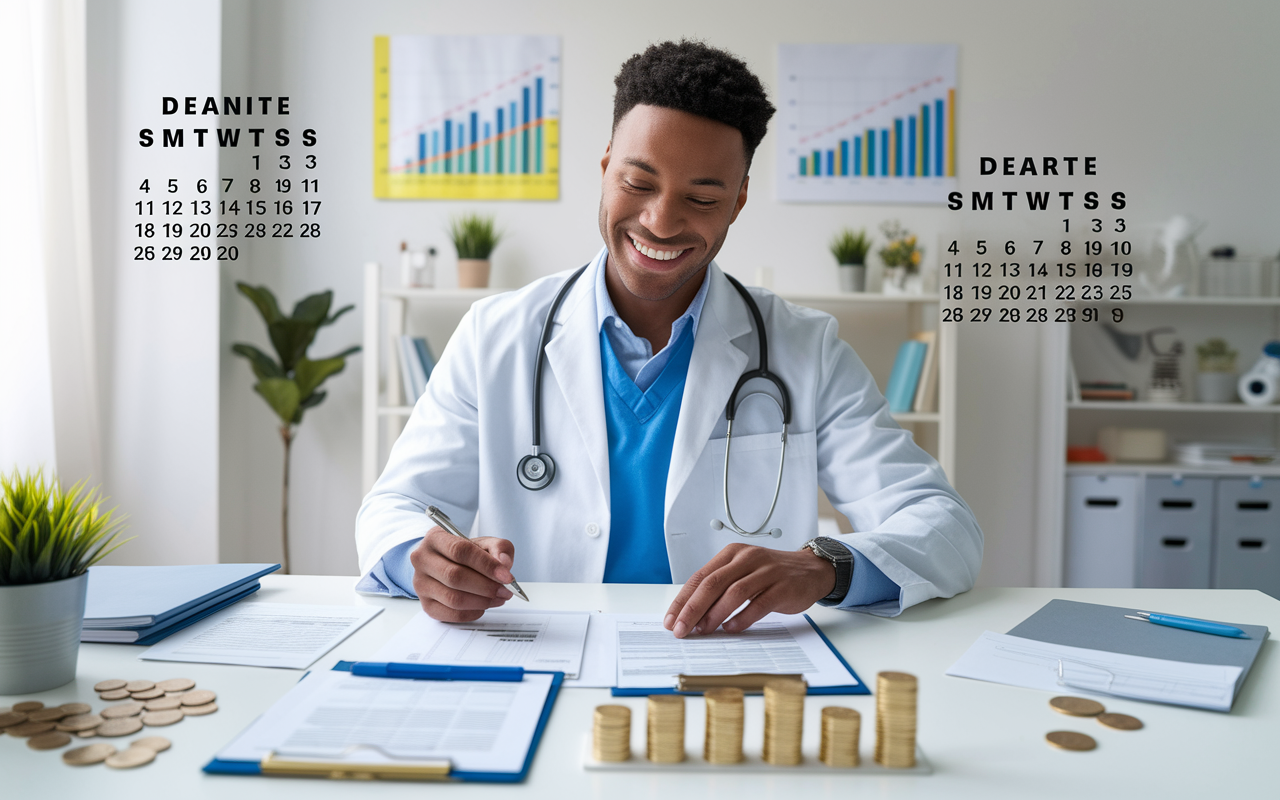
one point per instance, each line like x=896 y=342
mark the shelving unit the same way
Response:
x=874 y=323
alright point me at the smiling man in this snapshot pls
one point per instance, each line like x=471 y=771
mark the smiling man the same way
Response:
x=692 y=421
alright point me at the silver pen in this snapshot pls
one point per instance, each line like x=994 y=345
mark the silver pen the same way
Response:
x=442 y=519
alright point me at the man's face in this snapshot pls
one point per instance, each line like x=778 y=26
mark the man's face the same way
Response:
x=672 y=184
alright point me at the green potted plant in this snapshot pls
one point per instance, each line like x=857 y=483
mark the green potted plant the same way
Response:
x=290 y=382
x=49 y=537
x=474 y=237
x=901 y=257
x=850 y=249
x=1216 y=378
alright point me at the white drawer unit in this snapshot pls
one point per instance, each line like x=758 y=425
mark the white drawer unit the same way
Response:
x=1175 y=549
x=1102 y=518
x=1247 y=550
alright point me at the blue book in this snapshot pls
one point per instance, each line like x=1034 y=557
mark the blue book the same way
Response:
x=145 y=597
x=424 y=355
x=901 y=390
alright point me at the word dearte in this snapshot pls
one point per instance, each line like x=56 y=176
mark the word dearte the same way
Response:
x=1035 y=201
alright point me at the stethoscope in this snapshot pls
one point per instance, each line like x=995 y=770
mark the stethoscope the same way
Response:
x=536 y=470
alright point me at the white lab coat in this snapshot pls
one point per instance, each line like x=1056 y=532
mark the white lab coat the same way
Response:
x=461 y=445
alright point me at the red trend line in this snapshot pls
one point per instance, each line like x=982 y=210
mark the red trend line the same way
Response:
x=870 y=109
x=514 y=79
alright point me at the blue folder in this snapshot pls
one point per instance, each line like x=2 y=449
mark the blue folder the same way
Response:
x=858 y=688
x=222 y=767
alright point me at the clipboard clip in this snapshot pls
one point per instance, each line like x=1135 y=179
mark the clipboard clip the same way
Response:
x=291 y=767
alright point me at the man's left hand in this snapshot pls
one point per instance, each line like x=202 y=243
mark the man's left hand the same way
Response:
x=773 y=580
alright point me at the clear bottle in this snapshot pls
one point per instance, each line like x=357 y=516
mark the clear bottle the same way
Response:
x=423 y=268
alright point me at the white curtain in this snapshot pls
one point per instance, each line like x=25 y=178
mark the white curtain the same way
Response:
x=48 y=370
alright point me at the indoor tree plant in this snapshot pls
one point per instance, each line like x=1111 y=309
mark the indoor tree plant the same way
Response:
x=850 y=249
x=49 y=537
x=901 y=257
x=290 y=383
x=474 y=237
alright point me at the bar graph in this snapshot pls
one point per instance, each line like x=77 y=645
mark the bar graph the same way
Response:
x=467 y=117
x=867 y=123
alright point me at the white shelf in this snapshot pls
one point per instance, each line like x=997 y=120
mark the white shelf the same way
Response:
x=1128 y=405
x=1197 y=301
x=1111 y=468
x=455 y=295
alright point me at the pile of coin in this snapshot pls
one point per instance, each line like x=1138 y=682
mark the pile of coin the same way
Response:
x=141 y=751
x=611 y=734
x=841 y=729
x=1084 y=707
x=896 y=719
x=723 y=741
x=666 y=728
x=783 y=721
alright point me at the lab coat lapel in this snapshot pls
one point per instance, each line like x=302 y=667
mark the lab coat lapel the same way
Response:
x=573 y=357
x=714 y=369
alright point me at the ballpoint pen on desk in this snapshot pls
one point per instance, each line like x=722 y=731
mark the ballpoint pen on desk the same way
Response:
x=442 y=519
x=1189 y=624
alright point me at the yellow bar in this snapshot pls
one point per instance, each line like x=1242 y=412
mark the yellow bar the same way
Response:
x=951 y=133
x=381 y=114
x=894 y=169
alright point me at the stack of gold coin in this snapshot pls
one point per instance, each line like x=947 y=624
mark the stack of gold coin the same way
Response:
x=896 y=719
x=783 y=721
x=723 y=741
x=841 y=729
x=666 y=728
x=611 y=734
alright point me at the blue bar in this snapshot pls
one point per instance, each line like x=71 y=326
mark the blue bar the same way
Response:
x=871 y=153
x=831 y=162
x=911 y=146
x=461 y=148
x=435 y=151
x=513 y=139
x=538 y=83
x=498 y=155
x=804 y=166
x=817 y=162
x=844 y=157
x=488 y=168
x=448 y=145
x=897 y=149
x=937 y=138
x=422 y=153
x=524 y=138
x=884 y=152
x=436 y=672
x=475 y=134
x=924 y=137
x=857 y=155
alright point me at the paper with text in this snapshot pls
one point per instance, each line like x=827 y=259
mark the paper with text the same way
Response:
x=264 y=635
x=550 y=641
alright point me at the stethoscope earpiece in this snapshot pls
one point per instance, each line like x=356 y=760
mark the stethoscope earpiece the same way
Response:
x=535 y=471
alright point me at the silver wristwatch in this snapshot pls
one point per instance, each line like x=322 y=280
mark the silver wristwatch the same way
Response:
x=841 y=559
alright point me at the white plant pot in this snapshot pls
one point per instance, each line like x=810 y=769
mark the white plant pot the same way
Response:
x=40 y=634
x=1216 y=387
x=898 y=281
x=853 y=277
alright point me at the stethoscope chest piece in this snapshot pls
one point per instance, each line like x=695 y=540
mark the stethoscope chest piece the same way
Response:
x=535 y=471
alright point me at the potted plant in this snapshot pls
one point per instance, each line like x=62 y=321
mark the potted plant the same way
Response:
x=49 y=537
x=1216 y=379
x=290 y=383
x=474 y=237
x=850 y=249
x=901 y=258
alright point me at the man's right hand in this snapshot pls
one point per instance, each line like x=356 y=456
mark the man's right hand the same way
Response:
x=457 y=580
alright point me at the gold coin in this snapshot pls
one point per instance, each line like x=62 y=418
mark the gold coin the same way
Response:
x=163 y=703
x=1121 y=722
x=611 y=733
x=158 y=719
x=198 y=697
x=1077 y=706
x=24 y=729
x=89 y=754
x=47 y=715
x=896 y=719
x=1070 y=740
x=109 y=685
x=27 y=706
x=139 y=686
x=122 y=726
x=89 y=734
x=122 y=710
x=722 y=743
x=841 y=729
x=49 y=741
x=199 y=711
x=73 y=709
x=150 y=694
x=665 y=728
x=133 y=757
x=176 y=685
x=114 y=694
x=9 y=718
x=80 y=722
x=156 y=743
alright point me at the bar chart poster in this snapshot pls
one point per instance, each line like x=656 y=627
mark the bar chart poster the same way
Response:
x=867 y=123
x=467 y=117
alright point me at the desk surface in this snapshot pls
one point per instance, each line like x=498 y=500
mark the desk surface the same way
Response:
x=984 y=740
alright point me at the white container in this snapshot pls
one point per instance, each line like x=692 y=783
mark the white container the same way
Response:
x=1102 y=531
x=40 y=634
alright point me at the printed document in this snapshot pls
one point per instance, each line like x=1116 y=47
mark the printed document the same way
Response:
x=550 y=641
x=649 y=655
x=1001 y=658
x=264 y=635
x=482 y=726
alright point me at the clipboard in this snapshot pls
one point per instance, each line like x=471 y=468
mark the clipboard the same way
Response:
x=859 y=688
x=420 y=771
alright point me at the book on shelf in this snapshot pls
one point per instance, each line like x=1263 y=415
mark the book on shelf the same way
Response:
x=905 y=377
x=416 y=364
x=926 y=397
x=1106 y=394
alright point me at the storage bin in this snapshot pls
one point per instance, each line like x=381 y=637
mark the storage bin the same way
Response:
x=1247 y=550
x=1176 y=543
x=1101 y=530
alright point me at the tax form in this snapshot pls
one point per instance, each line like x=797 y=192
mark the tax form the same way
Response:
x=550 y=641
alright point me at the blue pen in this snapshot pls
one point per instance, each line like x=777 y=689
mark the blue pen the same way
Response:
x=1189 y=624
x=436 y=672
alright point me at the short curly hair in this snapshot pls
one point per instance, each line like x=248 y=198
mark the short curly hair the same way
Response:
x=695 y=77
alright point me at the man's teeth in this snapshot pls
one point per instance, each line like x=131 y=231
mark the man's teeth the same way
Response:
x=656 y=255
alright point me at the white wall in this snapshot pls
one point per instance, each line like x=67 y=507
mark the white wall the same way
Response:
x=1176 y=99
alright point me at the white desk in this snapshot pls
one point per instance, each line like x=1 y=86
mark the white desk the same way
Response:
x=984 y=740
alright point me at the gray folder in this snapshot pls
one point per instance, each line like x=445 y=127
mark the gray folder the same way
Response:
x=1066 y=622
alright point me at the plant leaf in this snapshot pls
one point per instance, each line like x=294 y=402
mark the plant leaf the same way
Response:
x=282 y=395
x=264 y=366
x=263 y=299
x=337 y=314
x=310 y=374
x=312 y=400
x=350 y=351
x=291 y=338
x=313 y=308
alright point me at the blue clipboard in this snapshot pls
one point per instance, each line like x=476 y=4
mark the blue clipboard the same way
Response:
x=858 y=688
x=223 y=767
